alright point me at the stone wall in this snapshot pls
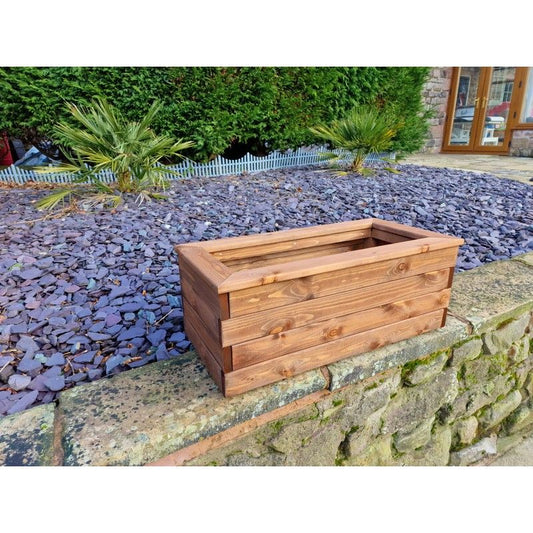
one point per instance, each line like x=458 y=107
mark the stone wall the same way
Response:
x=435 y=96
x=455 y=396
x=522 y=143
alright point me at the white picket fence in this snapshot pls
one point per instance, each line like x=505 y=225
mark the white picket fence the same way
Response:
x=190 y=169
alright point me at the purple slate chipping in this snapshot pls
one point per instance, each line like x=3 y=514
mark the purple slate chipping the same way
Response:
x=55 y=384
x=30 y=273
x=23 y=403
x=18 y=381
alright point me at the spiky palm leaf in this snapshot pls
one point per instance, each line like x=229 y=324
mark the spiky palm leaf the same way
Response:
x=105 y=140
x=363 y=131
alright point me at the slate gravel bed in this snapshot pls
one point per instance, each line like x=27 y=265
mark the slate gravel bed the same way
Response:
x=93 y=294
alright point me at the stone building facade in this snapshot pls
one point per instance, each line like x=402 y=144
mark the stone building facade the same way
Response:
x=435 y=94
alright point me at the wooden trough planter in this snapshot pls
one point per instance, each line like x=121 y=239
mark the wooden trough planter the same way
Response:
x=262 y=308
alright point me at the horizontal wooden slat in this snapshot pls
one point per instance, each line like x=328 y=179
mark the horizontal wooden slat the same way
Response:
x=410 y=232
x=268 y=322
x=388 y=237
x=263 y=239
x=295 y=363
x=309 y=267
x=289 y=245
x=295 y=255
x=208 y=359
x=272 y=346
x=322 y=284
x=222 y=355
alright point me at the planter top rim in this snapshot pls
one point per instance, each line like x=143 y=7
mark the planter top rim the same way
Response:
x=223 y=280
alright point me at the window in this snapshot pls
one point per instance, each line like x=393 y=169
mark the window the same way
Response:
x=527 y=107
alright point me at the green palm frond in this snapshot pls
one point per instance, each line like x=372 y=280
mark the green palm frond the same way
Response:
x=52 y=200
x=363 y=131
x=328 y=156
x=106 y=140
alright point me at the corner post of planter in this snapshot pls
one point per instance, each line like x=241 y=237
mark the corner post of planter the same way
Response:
x=205 y=308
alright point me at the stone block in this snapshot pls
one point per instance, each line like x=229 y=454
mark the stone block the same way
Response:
x=435 y=453
x=255 y=449
x=27 y=438
x=395 y=355
x=319 y=449
x=412 y=405
x=425 y=370
x=139 y=416
x=520 y=419
x=482 y=449
x=243 y=459
x=352 y=406
x=519 y=351
x=492 y=293
x=466 y=429
x=357 y=441
x=466 y=351
x=481 y=395
x=501 y=339
x=483 y=369
x=293 y=435
x=498 y=411
x=405 y=441
x=378 y=453
x=528 y=384
x=505 y=444
x=521 y=372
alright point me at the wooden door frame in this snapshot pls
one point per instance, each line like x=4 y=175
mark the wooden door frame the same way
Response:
x=483 y=89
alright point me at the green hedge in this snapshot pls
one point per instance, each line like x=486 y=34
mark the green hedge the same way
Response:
x=224 y=110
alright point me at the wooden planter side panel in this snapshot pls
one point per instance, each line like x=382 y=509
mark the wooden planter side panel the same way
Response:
x=321 y=333
x=298 y=255
x=297 y=290
x=286 y=247
x=266 y=372
x=271 y=321
x=204 y=310
x=267 y=275
x=281 y=238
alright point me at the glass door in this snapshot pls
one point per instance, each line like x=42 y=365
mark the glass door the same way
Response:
x=494 y=109
x=477 y=120
x=463 y=113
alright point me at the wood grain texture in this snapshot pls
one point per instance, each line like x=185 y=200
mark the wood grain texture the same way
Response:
x=410 y=232
x=208 y=359
x=268 y=322
x=266 y=372
x=282 y=293
x=295 y=255
x=257 y=277
x=321 y=333
x=289 y=245
x=204 y=302
x=195 y=259
x=265 y=239
x=387 y=236
x=222 y=355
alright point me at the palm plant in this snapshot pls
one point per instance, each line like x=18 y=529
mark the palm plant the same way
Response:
x=105 y=140
x=363 y=131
